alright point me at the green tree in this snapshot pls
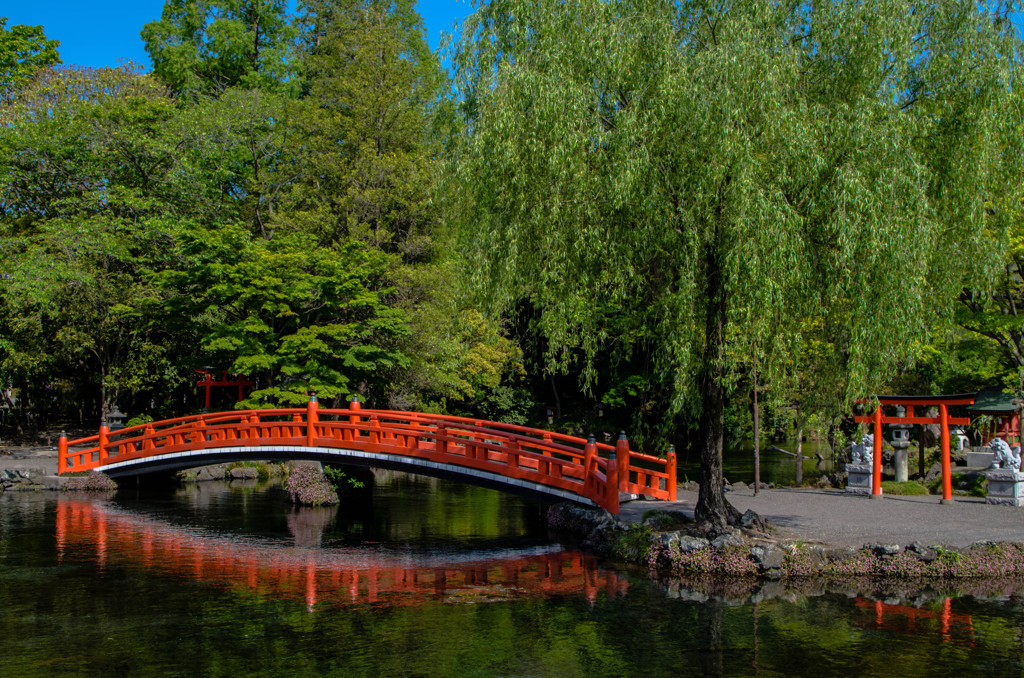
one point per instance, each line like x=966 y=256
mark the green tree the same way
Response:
x=298 y=317
x=371 y=84
x=84 y=167
x=720 y=174
x=23 y=50
x=201 y=47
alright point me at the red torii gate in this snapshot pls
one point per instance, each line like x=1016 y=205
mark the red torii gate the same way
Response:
x=208 y=381
x=943 y=402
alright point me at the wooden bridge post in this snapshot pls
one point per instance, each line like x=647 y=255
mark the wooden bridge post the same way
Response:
x=589 y=452
x=311 y=420
x=62 y=453
x=670 y=471
x=622 y=457
x=353 y=406
x=104 y=441
x=612 y=477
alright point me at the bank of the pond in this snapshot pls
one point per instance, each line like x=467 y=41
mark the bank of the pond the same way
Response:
x=790 y=533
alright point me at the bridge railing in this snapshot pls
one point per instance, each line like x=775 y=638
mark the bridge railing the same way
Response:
x=577 y=465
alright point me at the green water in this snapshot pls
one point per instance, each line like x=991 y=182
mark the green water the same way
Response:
x=776 y=467
x=427 y=578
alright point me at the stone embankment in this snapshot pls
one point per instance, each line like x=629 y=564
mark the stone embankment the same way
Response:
x=29 y=469
x=257 y=470
x=667 y=541
x=27 y=478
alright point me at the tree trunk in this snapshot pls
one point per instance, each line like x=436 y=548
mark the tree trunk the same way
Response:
x=558 y=401
x=757 y=433
x=799 y=451
x=712 y=510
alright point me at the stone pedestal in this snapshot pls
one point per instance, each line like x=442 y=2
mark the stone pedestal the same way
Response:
x=901 y=445
x=902 y=465
x=858 y=478
x=1005 y=486
x=980 y=457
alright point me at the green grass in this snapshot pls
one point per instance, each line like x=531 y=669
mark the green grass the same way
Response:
x=963 y=485
x=262 y=472
x=909 y=488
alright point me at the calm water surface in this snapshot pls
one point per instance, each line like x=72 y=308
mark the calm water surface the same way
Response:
x=776 y=467
x=425 y=578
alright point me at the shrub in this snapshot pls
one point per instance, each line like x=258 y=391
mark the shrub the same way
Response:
x=634 y=544
x=94 y=482
x=340 y=480
x=307 y=486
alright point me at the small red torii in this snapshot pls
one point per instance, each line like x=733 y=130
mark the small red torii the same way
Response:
x=207 y=381
x=943 y=420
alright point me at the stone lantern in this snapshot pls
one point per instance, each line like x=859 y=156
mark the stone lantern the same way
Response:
x=900 y=439
x=115 y=419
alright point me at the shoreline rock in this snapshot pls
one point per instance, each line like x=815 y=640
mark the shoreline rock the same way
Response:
x=753 y=553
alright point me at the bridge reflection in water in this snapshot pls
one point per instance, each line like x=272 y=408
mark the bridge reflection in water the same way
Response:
x=91 y=529
x=951 y=626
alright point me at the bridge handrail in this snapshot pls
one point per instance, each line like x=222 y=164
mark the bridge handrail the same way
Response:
x=553 y=458
x=484 y=423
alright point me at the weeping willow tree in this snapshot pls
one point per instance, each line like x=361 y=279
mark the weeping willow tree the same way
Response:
x=725 y=176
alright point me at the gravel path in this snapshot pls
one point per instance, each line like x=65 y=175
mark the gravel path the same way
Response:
x=836 y=518
x=30 y=457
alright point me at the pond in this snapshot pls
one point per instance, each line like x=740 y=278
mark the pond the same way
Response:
x=429 y=578
x=778 y=462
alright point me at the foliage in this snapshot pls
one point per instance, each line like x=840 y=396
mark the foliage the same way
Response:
x=371 y=81
x=84 y=177
x=139 y=420
x=634 y=544
x=300 y=317
x=207 y=47
x=716 y=176
x=340 y=480
x=23 y=51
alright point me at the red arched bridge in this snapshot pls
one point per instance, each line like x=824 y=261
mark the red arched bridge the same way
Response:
x=505 y=456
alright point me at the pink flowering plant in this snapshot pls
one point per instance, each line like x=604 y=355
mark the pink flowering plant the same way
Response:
x=307 y=486
x=94 y=482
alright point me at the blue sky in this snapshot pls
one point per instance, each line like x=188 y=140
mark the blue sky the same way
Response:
x=106 y=32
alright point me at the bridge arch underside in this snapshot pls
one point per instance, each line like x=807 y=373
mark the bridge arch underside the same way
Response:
x=338 y=457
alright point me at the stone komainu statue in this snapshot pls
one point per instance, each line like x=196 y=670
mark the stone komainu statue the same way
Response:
x=864 y=452
x=1006 y=457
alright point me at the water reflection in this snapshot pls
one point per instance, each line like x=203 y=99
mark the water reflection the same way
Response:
x=950 y=626
x=153 y=585
x=95 y=530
